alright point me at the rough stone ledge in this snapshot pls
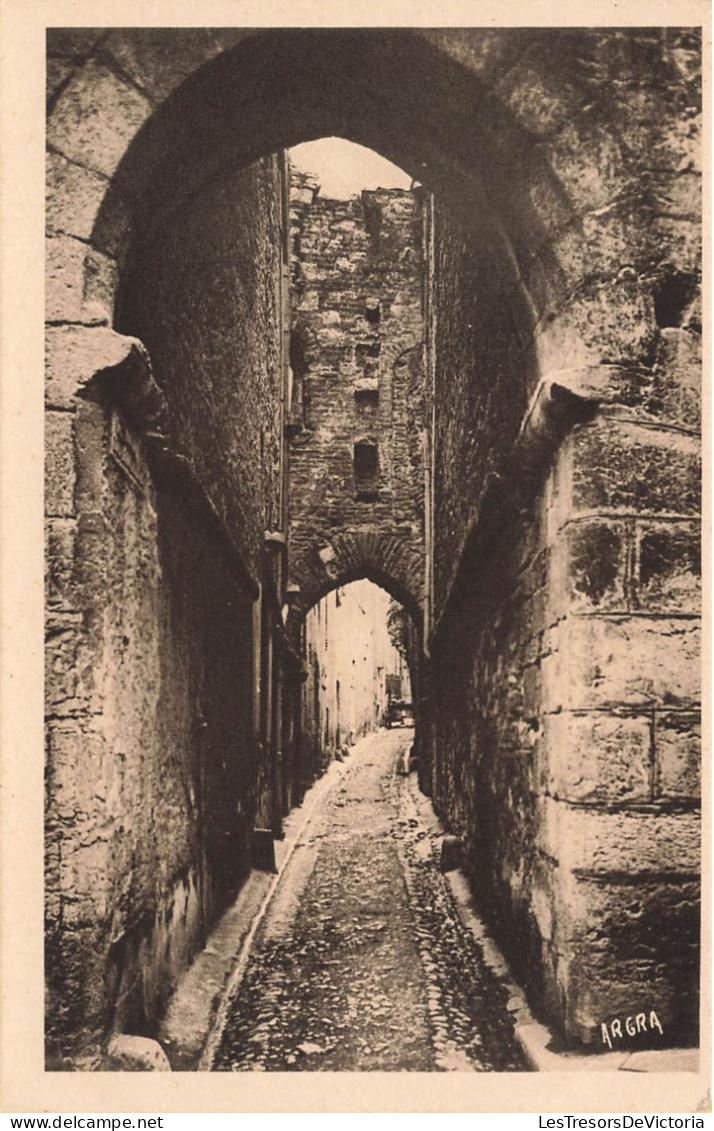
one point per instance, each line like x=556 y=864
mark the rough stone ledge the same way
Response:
x=633 y=614
x=196 y=1000
x=656 y=807
x=622 y=514
x=634 y=879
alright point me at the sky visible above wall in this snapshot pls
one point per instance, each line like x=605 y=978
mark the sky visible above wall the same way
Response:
x=344 y=168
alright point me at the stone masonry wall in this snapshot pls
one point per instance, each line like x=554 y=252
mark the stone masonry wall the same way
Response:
x=357 y=338
x=485 y=373
x=204 y=297
x=566 y=673
x=154 y=548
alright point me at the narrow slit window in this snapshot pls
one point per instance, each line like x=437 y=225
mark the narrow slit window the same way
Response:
x=366 y=469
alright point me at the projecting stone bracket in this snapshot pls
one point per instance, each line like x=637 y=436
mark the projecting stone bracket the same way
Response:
x=274 y=540
x=120 y=367
x=554 y=409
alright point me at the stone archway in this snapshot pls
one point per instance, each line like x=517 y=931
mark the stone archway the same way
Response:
x=566 y=163
x=385 y=559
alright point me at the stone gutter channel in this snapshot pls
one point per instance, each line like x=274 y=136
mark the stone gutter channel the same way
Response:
x=191 y=1030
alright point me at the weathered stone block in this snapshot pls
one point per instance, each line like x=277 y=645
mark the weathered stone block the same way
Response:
x=599 y=757
x=611 y=323
x=114 y=228
x=679 y=243
x=550 y=210
x=73 y=790
x=76 y=354
x=541 y=901
x=74 y=43
x=64 y=278
x=678 y=194
x=626 y=467
x=589 y=161
x=70 y=354
x=668 y=567
x=101 y=278
x=678 y=755
x=75 y=277
x=668 y=392
x=59 y=465
x=482 y=51
x=96 y=117
x=612 y=963
x=57 y=72
x=610 y=244
x=678 y=145
x=90 y=443
x=92 y=552
x=69 y=660
x=621 y=662
x=684 y=50
x=540 y=98
x=149 y=55
x=599 y=988
x=675 y=393
x=594 y=843
x=136 y=1054
x=73 y=197
x=532 y=690
x=59 y=560
x=595 y=565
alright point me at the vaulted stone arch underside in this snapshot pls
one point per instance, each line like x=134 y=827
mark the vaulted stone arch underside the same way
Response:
x=386 y=560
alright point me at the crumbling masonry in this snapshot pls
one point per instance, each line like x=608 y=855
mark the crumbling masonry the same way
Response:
x=518 y=463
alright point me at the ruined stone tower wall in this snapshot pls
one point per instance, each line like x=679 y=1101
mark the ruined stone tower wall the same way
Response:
x=356 y=463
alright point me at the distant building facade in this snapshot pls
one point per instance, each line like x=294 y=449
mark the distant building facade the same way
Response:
x=352 y=666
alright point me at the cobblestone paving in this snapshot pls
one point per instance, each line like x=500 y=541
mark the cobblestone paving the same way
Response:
x=361 y=962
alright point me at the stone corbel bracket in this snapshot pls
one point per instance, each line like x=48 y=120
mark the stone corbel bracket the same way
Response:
x=127 y=379
x=510 y=493
x=122 y=375
x=553 y=411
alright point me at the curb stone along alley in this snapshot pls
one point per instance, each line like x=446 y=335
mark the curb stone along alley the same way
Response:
x=481 y=394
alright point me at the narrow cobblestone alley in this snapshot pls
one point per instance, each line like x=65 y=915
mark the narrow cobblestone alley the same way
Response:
x=361 y=961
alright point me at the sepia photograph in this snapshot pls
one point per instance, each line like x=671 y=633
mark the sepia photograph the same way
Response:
x=372 y=449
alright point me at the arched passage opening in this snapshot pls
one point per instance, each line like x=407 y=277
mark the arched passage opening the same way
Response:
x=549 y=252
x=362 y=654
